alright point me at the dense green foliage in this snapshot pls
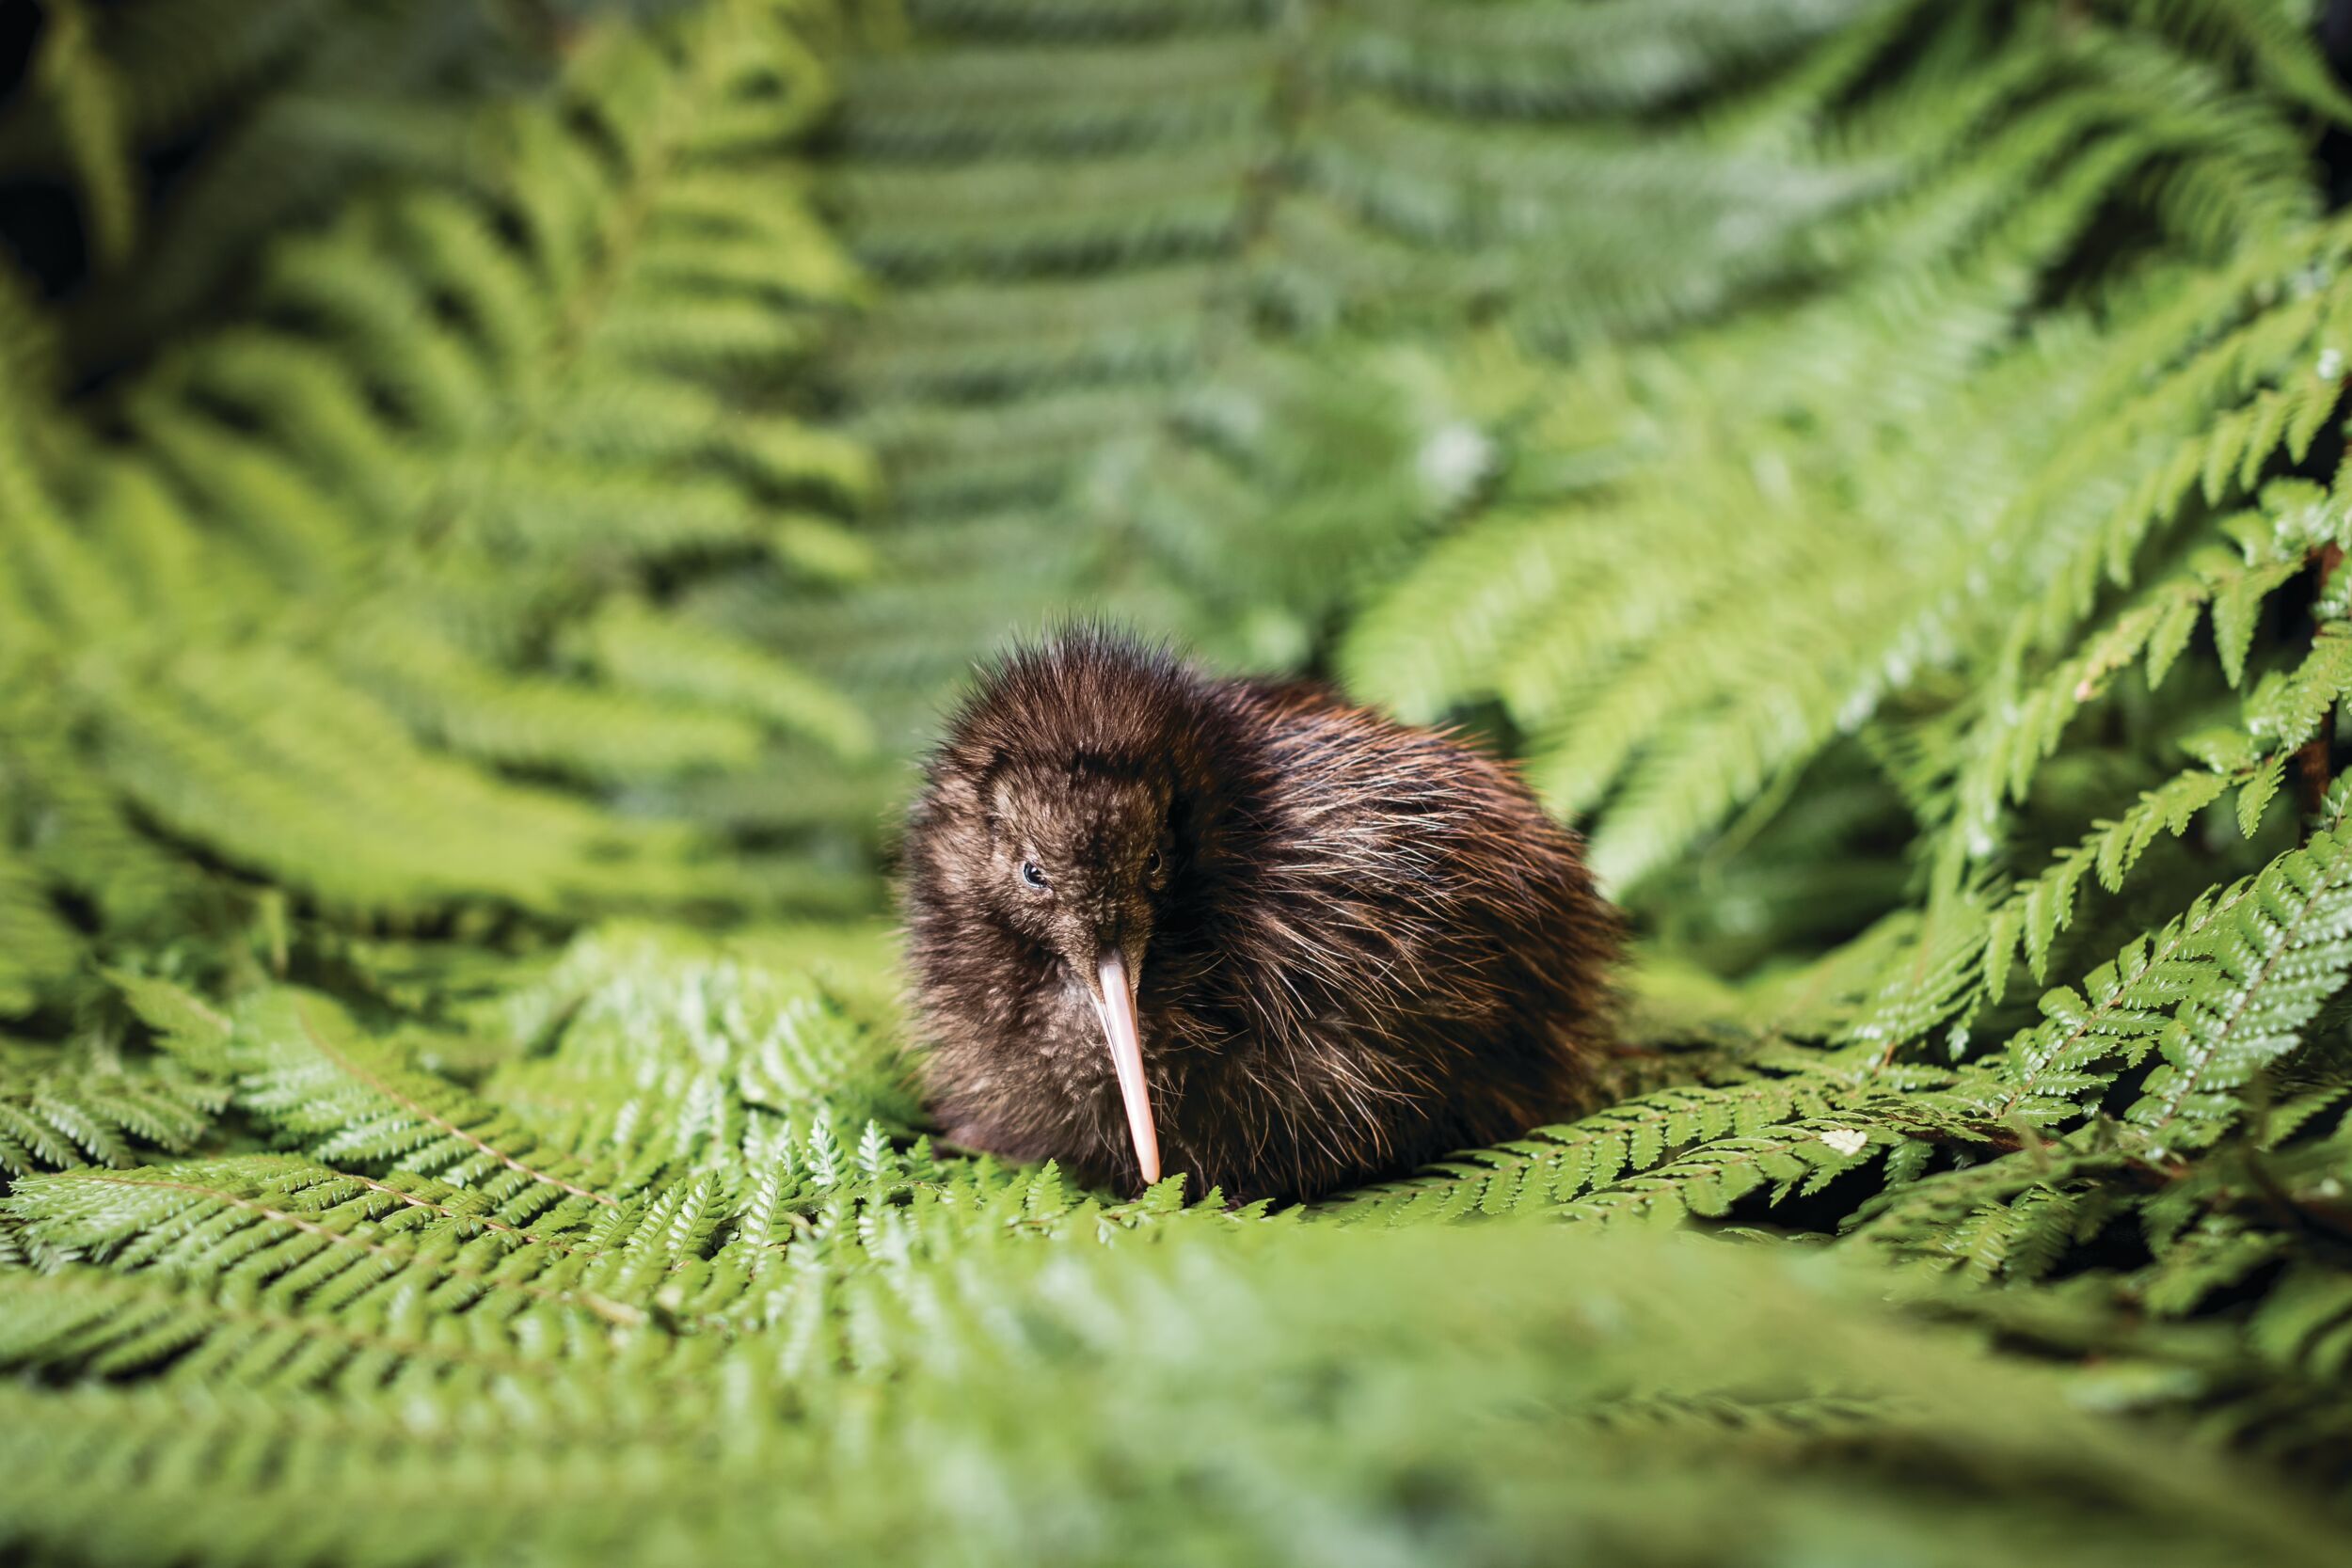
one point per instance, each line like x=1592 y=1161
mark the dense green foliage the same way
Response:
x=467 y=598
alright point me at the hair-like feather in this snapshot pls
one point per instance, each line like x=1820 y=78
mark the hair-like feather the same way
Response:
x=1360 y=944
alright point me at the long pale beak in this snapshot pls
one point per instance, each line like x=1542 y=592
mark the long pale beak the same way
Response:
x=1114 y=1004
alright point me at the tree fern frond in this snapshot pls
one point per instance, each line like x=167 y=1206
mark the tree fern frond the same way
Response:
x=189 y=1029
x=2278 y=954
x=2193 y=1268
x=645 y=1041
x=90 y=106
x=55 y=1114
x=309 y=1074
x=2035 y=914
x=663 y=656
x=262 y=1270
x=988 y=101
x=524 y=372
x=1527 y=59
x=1685 y=1149
x=2269 y=39
x=631 y=1459
x=37 y=949
x=309 y=757
x=2054 y=1068
x=475 y=710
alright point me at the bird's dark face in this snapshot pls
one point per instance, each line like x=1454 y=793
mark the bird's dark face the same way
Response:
x=1080 y=854
x=1080 y=857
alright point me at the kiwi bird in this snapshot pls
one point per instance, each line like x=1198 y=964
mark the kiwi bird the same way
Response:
x=1160 y=921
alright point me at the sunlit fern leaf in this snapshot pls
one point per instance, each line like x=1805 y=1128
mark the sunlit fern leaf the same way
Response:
x=81 y=837
x=1556 y=1165
x=472 y=707
x=1623 y=679
x=193 y=1032
x=270 y=760
x=1532 y=59
x=1799 y=1157
x=1928 y=980
x=310 y=1073
x=1970 y=1219
x=261 y=1269
x=58 y=1108
x=698 y=1051
x=2006 y=748
x=2276 y=955
x=2269 y=318
x=108 y=1325
x=2054 y=1069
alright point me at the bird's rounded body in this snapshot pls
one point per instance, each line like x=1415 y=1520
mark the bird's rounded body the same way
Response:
x=1352 y=944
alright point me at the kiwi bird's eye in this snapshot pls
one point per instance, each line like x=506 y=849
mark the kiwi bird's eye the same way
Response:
x=1152 y=861
x=1031 y=875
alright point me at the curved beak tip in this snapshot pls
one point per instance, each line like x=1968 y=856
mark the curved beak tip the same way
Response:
x=1114 y=1004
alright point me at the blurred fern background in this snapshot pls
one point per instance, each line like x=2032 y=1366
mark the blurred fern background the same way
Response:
x=493 y=495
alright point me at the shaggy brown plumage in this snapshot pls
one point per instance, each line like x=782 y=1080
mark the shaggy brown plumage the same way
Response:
x=1351 y=946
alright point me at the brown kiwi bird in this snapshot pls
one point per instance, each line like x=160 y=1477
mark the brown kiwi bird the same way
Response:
x=1162 y=922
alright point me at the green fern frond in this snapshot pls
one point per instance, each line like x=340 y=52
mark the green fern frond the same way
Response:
x=263 y=1270
x=1555 y=1165
x=89 y=105
x=2053 y=1071
x=667 y=657
x=2036 y=914
x=514 y=376
x=691 y=1051
x=55 y=1114
x=311 y=1076
x=37 y=949
x=2193 y=1268
x=618 y=1462
x=2268 y=37
x=2307 y=1321
x=2278 y=954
